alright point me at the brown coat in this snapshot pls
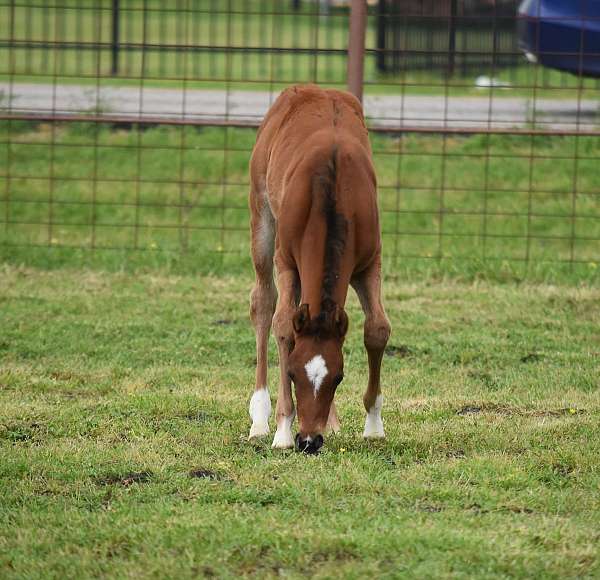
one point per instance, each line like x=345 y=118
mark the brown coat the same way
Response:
x=313 y=201
x=302 y=132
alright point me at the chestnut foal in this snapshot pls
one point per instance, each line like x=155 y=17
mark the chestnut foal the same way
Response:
x=314 y=214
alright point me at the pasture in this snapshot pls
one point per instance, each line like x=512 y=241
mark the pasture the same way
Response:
x=123 y=429
x=125 y=374
x=127 y=355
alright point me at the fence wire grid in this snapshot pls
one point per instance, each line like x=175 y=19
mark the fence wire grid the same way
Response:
x=128 y=125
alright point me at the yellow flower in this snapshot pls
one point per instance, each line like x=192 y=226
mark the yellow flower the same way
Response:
x=342 y=449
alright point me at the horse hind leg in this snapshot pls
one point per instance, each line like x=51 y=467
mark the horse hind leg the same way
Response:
x=333 y=423
x=262 y=306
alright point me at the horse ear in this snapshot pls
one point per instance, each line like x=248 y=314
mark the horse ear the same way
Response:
x=340 y=322
x=301 y=318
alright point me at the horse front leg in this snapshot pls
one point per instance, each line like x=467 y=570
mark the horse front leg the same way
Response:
x=289 y=285
x=376 y=334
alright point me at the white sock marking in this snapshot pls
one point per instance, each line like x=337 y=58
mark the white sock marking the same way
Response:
x=373 y=422
x=283 y=436
x=260 y=410
x=316 y=371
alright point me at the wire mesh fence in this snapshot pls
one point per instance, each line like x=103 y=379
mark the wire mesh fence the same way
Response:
x=127 y=126
x=447 y=36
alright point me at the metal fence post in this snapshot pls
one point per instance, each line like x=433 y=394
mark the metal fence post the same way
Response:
x=356 y=47
x=115 y=38
x=381 y=35
x=452 y=37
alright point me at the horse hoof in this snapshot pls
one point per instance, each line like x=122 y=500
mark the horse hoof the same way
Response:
x=283 y=436
x=282 y=441
x=373 y=436
x=258 y=430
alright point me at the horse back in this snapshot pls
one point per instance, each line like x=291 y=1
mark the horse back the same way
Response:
x=307 y=132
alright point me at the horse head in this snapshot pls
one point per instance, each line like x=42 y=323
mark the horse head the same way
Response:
x=316 y=367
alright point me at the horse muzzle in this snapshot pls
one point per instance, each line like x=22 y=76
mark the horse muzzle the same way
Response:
x=310 y=445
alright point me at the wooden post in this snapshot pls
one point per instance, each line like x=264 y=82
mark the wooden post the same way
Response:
x=356 y=47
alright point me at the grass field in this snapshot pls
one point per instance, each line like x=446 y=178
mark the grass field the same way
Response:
x=509 y=206
x=123 y=423
x=247 y=26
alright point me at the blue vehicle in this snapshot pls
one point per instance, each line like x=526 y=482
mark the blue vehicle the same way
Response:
x=562 y=34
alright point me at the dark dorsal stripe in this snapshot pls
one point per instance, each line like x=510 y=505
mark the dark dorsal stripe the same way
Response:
x=337 y=228
x=335 y=242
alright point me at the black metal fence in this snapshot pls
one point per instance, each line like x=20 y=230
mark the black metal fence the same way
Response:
x=448 y=35
x=257 y=41
x=127 y=126
x=203 y=40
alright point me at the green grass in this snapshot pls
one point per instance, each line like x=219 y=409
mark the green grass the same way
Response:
x=509 y=207
x=114 y=387
x=248 y=25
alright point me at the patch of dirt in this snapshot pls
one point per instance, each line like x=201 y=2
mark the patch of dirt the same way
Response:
x=333 y=554
x=518 y=509
x=469 y=410
x=429 y=508
x=455 y=454
x=204 y=572
x=400 y=351
x=512 y=411
x=531 y=357
x=477 y=509
x=556 y=412
x=206 y=474
x=126 y=479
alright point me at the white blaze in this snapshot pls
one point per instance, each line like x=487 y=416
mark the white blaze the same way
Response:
x=316 y=371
